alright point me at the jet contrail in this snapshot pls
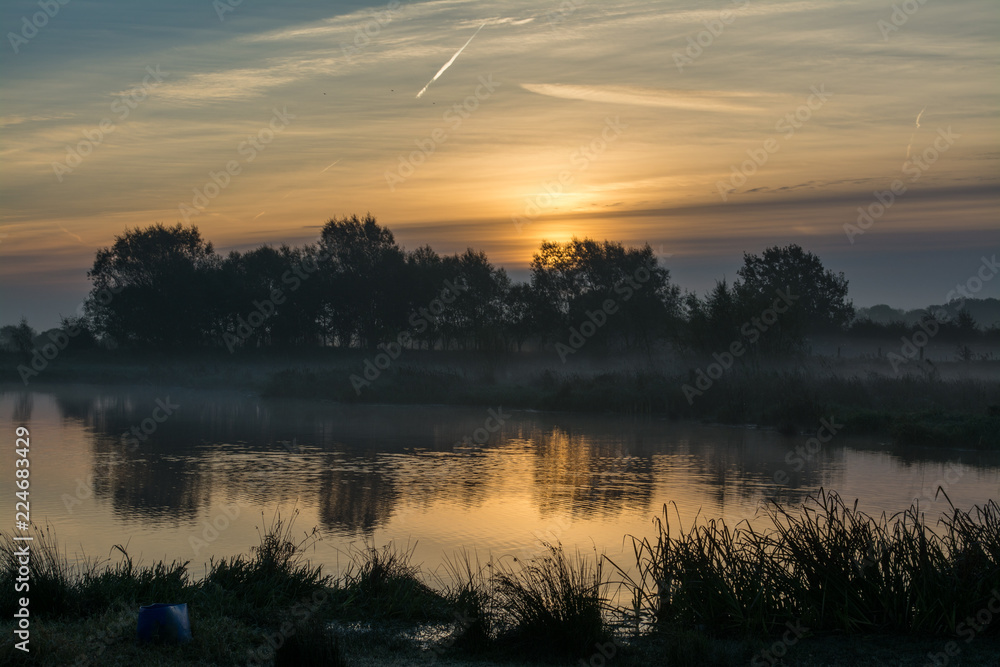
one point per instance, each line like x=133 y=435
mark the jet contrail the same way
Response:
x=448 y=64
x=76 y=236
x=329 y=165
x=909 y=145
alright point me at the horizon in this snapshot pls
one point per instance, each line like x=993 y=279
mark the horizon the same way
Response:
x=670 y=125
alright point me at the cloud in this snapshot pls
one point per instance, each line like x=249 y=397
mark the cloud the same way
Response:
x=226 y=85
x=702 y=100
x=17 y=120
x=496 y=20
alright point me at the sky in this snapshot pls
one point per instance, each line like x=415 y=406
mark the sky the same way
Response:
x=706 y=129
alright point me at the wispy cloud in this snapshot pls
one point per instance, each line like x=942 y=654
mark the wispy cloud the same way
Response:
x=17 y=120
x=702 y=100
x=226 y=85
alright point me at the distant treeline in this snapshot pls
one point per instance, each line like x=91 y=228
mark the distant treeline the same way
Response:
x=985 y=312
x=166 y=287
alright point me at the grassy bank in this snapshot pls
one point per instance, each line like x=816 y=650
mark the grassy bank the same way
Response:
x=826 y=584
x=910 y=410
x=956 y=405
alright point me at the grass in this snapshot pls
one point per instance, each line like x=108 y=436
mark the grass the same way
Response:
x=708 y=595
x=383 y=585
x=552 y=604
x=829 y=567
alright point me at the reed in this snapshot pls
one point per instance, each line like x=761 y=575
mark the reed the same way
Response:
x=830 y=567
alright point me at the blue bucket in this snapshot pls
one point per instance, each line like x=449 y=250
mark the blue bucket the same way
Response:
x=164 y=623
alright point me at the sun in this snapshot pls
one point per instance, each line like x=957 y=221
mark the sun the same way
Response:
x=556 y=232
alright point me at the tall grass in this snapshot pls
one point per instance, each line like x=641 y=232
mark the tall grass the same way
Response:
x=383 y=584
x=826 y=566
x=91 y=586
x=552 y=603
x=275 y=574
x=829 y=566
x=49 y=572
x=552 y=606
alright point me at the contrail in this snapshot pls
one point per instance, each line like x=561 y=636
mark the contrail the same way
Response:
x=448 y=64
x=329 y=165
x=909 y=145
x=259 y=214
x=76 y=236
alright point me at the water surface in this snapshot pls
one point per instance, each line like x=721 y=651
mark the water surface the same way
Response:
x=416 y=475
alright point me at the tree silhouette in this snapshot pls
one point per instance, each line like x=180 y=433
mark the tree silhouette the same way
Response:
x=820 y=296
x=363 y=270
x=577 y=278
x=356 y=287
x=149 y=287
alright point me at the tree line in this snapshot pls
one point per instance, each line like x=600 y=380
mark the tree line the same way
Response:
x=355 y=287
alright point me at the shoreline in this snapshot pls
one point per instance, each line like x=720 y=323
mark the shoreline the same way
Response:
x=950 y=408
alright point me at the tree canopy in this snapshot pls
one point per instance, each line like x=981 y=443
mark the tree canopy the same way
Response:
x=356 y=287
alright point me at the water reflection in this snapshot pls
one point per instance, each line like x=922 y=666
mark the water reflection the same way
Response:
x=364 y=469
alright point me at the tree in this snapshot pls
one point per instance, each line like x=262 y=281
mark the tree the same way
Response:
x=20 y=338
x=713 y=323
x=476 y=319
x=818 y=297
x=362 y=270
x=576 y=279
x=149 y=287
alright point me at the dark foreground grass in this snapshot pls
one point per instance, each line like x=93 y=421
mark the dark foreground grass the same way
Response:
x=823 y=585
x=828 y=567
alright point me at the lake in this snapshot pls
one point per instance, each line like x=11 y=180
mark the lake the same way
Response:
x=154 y=469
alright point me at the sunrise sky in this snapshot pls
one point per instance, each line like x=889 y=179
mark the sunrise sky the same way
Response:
x=634 y=113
